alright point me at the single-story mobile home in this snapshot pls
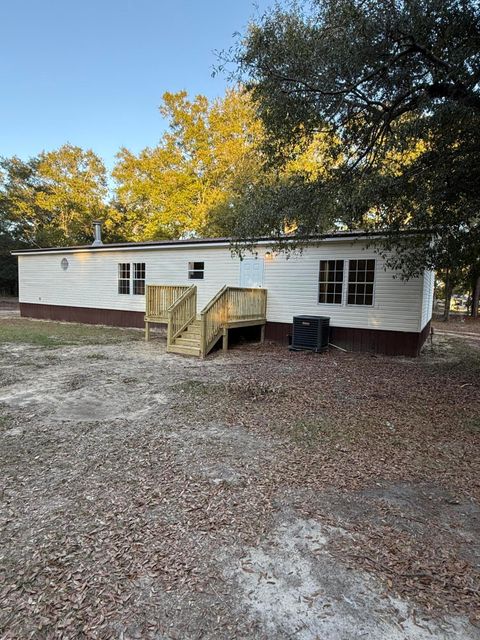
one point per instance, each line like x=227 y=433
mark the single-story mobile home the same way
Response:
x=338 y=275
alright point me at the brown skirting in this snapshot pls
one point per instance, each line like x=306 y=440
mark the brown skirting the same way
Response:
x=393 y=343
x=112 y=317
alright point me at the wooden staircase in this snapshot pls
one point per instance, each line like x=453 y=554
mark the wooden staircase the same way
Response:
x=189 y=341
x=196 y=335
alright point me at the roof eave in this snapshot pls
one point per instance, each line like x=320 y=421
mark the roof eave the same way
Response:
x=200 y=242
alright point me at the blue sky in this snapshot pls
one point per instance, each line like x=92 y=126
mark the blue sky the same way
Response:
x=92 y=73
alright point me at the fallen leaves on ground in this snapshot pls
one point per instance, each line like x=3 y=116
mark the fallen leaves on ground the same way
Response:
x=105 y=522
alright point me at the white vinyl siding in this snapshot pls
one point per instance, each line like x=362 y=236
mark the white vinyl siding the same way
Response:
x=293 y=285
x=397 y=303
x=92 y=277
x=427 y=299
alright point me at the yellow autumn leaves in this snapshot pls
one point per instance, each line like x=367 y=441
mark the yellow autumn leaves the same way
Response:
x=211 y=154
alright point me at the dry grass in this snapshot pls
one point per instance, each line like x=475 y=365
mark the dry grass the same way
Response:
x=56 y=334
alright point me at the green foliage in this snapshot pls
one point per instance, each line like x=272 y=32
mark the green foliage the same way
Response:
x=397 y=84
x=286 y=199
x=74 y=190
x=51 y=200
x=208 y=170
x=8 y=264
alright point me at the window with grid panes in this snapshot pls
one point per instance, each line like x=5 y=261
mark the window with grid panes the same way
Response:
x=124 y=278
x=330 y=282
x=361 y=279
x=139 y=278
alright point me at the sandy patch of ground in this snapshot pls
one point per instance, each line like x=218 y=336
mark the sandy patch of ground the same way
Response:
x=258 y=494
x=67 y=393
x=299 y=590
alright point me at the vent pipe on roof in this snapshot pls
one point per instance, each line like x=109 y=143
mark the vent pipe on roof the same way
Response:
x=97 y=230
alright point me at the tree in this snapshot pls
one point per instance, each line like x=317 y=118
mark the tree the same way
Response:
x=49 y=200
x=208 y=153
x=52 y=199
x=74 y=192
x=397 y=83
x=22 y=218
x=8 y=264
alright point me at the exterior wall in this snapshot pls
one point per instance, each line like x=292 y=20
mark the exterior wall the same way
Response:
x=91 y=278
x=91 y=282
x=293 y=289
x=427 y=298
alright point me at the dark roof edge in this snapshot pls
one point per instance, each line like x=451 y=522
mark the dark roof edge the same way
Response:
x=208 y=241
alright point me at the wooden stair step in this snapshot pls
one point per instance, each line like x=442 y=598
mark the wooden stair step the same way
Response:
x=184 y=350
x=187 y=341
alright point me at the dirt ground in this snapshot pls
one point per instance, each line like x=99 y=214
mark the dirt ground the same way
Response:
x=467 y=328
x=257 y=494
x=8 y=307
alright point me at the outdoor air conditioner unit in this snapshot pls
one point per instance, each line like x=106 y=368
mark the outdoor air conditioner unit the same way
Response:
x=311 y=333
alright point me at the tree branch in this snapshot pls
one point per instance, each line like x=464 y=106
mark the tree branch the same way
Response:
x=455 y=92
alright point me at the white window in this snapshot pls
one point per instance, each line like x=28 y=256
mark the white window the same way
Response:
x=361 y=280
x=138 y=278
x=131 y=278
x=196 y=270
x=330 y=282
x=124 y=278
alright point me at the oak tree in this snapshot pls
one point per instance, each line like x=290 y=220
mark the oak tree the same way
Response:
x=397 y=82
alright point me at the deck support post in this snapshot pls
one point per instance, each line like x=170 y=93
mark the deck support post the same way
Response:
x=169 y=329
x=262 y=334
x=225 y=339
x=203 y=346
x=147 y=331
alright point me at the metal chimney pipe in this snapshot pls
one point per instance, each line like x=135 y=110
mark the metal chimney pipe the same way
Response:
x=97 y=230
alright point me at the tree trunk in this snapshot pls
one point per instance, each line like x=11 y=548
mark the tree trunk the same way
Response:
x=448 y=297
x=475 y=298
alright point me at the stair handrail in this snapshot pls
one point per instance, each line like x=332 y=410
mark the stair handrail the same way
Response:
x=213 y=319
x=181 y=313
x=230 y=304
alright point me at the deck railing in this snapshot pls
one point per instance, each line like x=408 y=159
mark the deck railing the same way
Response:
x=181 y=313
x=176 y=305
x=231 y=305
x=160 y=297
x=246 y=304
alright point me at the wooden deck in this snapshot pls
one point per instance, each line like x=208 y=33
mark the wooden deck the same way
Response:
x=195 y=334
